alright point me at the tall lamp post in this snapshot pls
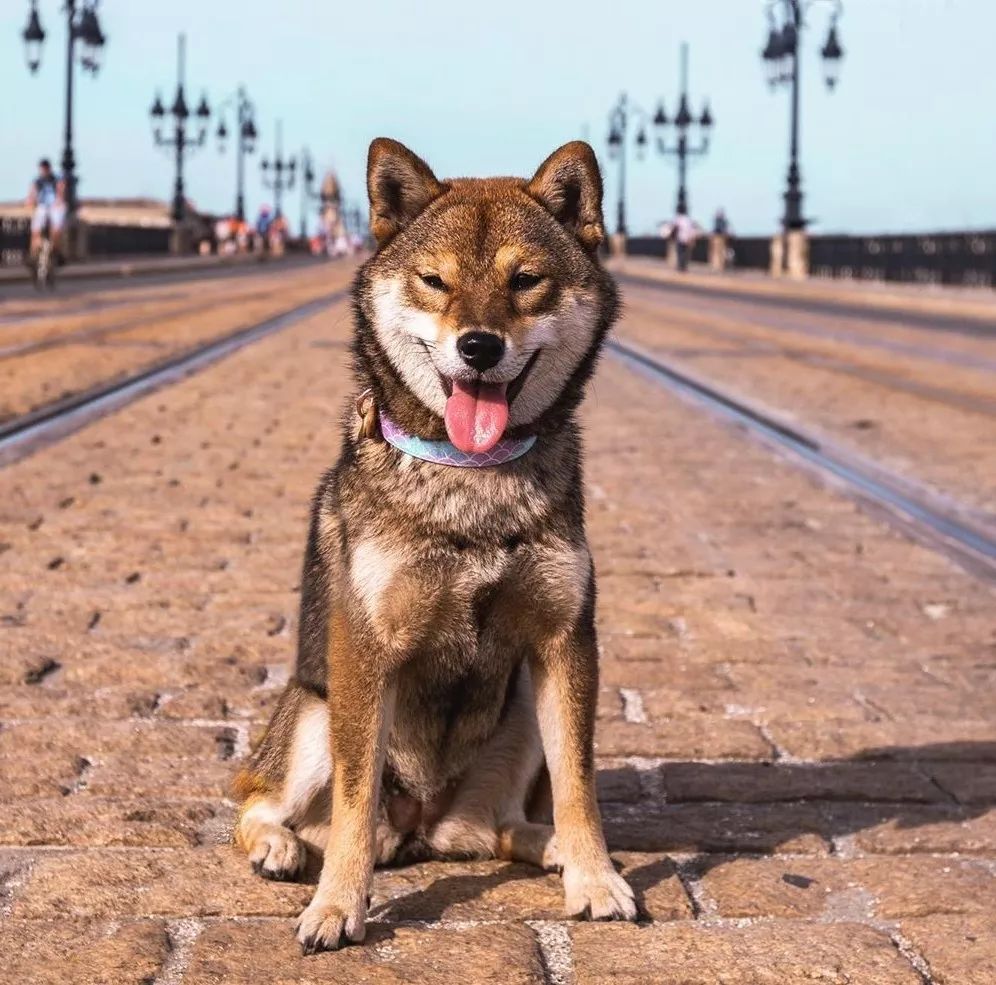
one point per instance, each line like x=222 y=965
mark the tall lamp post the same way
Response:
x=278 y=174
x=683 y=120
x=786 y=20
x=619 y=121
x=308 y=193
x=179 y=142
x=82 y=25
x=245 y=136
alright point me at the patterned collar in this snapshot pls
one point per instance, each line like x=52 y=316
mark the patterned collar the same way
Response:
x=446 y=453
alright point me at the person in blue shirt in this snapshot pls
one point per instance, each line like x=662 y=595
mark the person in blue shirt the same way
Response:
x=47 y=199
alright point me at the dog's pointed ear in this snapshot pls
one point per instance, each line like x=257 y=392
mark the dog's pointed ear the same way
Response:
x=400 y=185
x=568 y=185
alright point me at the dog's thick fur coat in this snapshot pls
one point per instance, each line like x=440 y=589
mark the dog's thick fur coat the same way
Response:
x=447 y=642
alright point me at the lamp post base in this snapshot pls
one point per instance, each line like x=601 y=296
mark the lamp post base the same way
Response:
x=181 y=240
x=717 y=252
x=790 y=255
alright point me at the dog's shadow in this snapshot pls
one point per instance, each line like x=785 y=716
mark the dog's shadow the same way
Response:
x=733 y=809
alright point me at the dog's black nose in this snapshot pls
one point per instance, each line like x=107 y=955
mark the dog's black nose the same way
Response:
x=481 y=350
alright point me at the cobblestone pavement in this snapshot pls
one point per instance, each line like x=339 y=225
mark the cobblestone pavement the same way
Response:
x=796 y=748
x=917 y=401
x=69 y=345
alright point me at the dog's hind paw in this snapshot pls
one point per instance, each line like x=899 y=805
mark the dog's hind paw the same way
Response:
x=327 y=927
x=278 y=854
x=602 y=895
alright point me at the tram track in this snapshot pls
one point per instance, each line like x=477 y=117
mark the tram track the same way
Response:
x=972 y=325
x=24 y=434
x=100 y=333
x=927 y=517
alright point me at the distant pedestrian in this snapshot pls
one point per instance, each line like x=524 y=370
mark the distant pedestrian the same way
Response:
x=47 y=201
x=721 y=225
x=683 y=230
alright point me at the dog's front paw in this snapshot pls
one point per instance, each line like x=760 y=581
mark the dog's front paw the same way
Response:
x=328 y=926
x=599 y=895
x=278 y=854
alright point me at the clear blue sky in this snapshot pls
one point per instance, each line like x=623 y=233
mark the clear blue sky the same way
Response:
x=907 y=142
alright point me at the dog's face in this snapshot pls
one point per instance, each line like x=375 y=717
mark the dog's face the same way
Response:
x=485 y=295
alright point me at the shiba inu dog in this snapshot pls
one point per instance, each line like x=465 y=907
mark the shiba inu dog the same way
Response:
x=447 y=665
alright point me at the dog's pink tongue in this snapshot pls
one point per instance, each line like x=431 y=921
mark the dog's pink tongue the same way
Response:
x=476 y=415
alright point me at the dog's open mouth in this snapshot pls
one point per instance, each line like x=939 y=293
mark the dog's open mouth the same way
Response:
x=477 y=412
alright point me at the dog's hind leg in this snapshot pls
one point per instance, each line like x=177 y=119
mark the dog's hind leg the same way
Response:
x=487 y=815
x=285 y=787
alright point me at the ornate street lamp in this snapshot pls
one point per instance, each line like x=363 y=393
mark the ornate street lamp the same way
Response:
x=246 y=136
x=619 y=122
x=179 y=143
x=781 y=59
x=278 y=175
x=82 y=25
x=308 y=193
x=683 y=123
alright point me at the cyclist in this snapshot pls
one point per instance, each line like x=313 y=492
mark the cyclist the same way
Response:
x=47 y=197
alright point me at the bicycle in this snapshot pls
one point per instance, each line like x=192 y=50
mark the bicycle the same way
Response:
x=43 y=268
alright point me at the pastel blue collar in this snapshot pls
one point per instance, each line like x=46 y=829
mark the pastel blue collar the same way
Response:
x=446 y=453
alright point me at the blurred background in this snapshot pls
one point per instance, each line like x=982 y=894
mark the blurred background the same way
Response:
x=902 y=143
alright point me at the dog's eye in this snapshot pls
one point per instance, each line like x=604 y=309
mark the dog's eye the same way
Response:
x=434 y=281
x=523 y=281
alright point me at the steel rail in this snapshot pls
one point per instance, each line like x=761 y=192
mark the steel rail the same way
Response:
x=940 y=525
x=24 y=434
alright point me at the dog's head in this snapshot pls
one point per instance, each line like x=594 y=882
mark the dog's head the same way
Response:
x=485 y=300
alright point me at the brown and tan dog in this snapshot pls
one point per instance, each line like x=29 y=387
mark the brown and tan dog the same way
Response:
x=447 y=639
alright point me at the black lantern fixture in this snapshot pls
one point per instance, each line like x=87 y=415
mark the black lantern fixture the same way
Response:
x=93 y=39
x=690 y=134
x=83 y=26
x=832 y=54
x=34 y=37
x=179 y=143
x=246 y=141
x=781 y=57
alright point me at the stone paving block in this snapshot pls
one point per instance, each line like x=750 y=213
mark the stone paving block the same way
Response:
x=970 y=830
x=802 y=828
x=163 y=777
x=136 y=737
x=106 y=883
x=782 y=782
x=658 y=890
x=833 y=888
x=54 y=952
x=117 y=701
x=778 y=953
x=41 y=773
x=687 y=698
x=499 y=891
x=958 y=950
x=84 y=820
x=229 y=953
x=968 y=783
x=926 y=740
x=618 y=782
x=495 y=891
x=699 y=737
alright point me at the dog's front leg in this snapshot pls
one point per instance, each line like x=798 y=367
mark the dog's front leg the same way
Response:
x=565 y=672
x=361 y=711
